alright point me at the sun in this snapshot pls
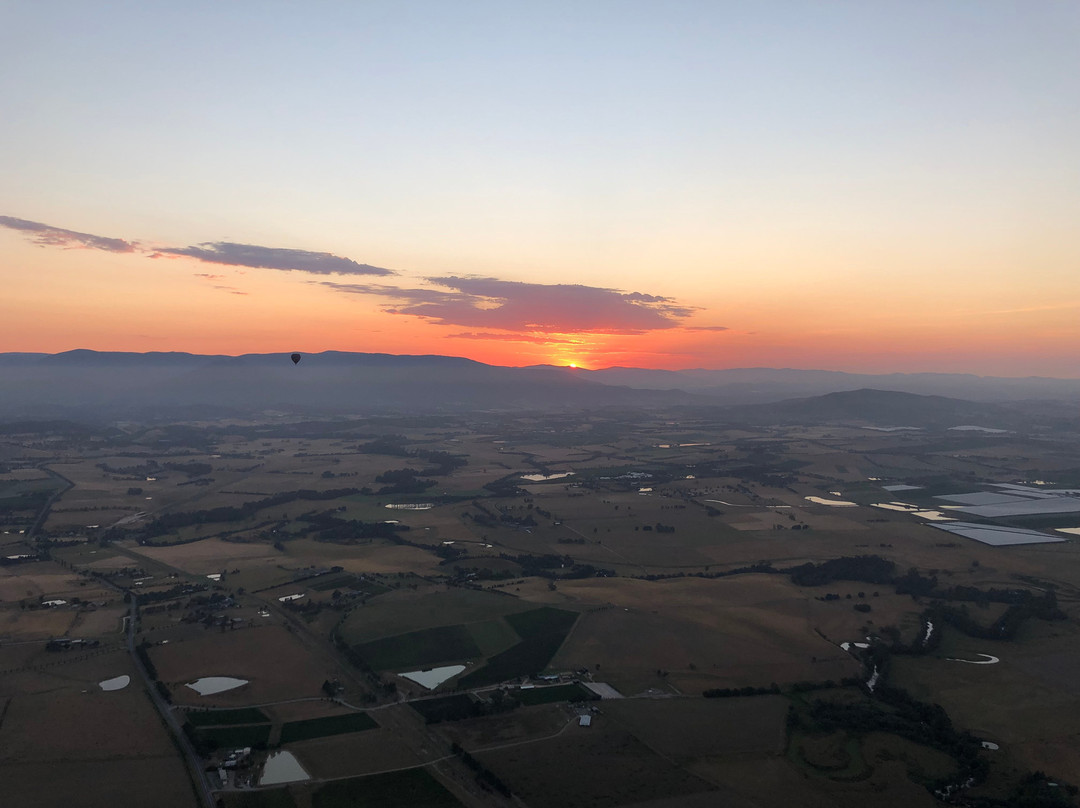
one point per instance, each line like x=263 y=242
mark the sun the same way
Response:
x=573 y=364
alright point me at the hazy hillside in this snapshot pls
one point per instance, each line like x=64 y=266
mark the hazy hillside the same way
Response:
x=880 y=408
x=100 y=385
x=749 y=385
x=89 y=384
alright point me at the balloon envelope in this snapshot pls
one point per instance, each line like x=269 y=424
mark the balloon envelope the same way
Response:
x=295 y=358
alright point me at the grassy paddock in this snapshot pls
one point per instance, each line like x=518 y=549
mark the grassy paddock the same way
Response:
x=448 y=708
x=542 y=631
x=328 y=725
x=211 y=718
x=418 y=648
x=235 y=737
x=274 y=798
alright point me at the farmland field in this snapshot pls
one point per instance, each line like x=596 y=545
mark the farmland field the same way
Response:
x=414 y=787
x=321 y=727
x=234 y=737
x=542 y=632
x=210 y=718
x=271 y=658
x=622 y=770
x=420 y=648
x=683 y=555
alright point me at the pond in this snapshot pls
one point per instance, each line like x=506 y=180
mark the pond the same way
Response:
x=209 y=685
x=433 y=677
x=116 y=683
x=282 y=767
x=542 y=478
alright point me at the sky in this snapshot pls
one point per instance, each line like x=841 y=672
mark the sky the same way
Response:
x=864 y=186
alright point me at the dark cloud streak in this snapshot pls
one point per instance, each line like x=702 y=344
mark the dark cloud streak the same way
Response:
x=49 y=236
x=228 y=253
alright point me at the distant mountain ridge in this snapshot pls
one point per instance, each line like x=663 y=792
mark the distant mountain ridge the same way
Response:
x=96 y=384
x=880 y=408
x=749 y=385
x=177 y=385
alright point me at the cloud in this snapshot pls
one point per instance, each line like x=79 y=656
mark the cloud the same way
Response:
x=529 y=307
x=705 y=328
x=533 y=339
x=398 y=292
x=49 y=236
x=224 y=253
x=252 y=255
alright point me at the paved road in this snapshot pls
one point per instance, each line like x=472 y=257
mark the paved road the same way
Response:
x=193 y=761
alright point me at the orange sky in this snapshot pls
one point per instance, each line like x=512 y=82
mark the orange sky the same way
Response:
x=869 y=187
x=66 y=298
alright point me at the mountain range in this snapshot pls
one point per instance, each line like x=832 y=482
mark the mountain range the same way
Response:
x=84 y=384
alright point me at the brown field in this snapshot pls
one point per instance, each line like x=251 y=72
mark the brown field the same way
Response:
x=99 y=725
x=103 y=622
x=37 y=624
x=277 y=665
x=774 y=782
x=523 y=724
x=371 y=558
x=354 y=753
x=1038 y=723
x=31 y=670
x=64 y=741
x=746 y=630
x=157 y=781
x=617 y=768
x=40 y=578
x=684 y=729
x=208 y=555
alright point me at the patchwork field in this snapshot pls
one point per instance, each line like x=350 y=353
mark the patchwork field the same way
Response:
x=622 y=770
x=732 y=632
x=655 y=556
x=55 y=717
x=275 y=663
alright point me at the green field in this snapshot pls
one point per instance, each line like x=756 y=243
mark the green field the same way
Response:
x=542 y=631
x=401 y=612
x=324 y=583
x=492 y=636
x=272 y=798
x=235 y=737
x=414 y=788
x=329 y=725
x=447 y=708
x=212 y=718
x=418 y=648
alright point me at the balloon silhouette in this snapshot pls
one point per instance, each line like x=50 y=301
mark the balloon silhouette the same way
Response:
x=295 y=358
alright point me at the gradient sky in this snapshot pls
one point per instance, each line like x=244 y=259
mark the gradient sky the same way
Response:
x=865 y=186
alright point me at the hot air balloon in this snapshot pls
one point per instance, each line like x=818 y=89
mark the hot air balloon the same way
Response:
x=295 y=358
